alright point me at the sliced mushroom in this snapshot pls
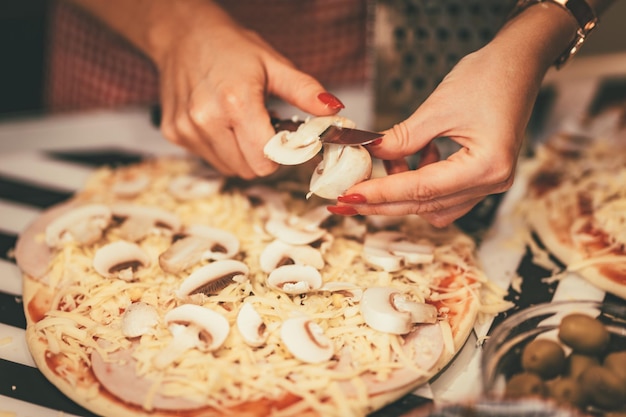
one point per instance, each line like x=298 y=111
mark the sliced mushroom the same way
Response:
x=251 y=326
x=293 y=148
x=348 y=289
x=298 y=230
x=192 y=327
x=189 y=187
x=387 y=310
x=295 y=279
x=341 y=168
x=269 y=198
x=382 y=258
x=212 y=278
x=390 y=250
x=130 y=184
x=139 y=319
x=278 y=253
x=199 y=243
x=83 y=224
x=305 y=340
x=140 y=221
x=120 y=259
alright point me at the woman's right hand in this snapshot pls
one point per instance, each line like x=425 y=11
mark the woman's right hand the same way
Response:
x=215 y=77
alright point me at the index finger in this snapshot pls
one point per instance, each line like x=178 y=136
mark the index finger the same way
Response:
x=459 y=174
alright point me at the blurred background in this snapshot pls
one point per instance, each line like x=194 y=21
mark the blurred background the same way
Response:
x=23 y=45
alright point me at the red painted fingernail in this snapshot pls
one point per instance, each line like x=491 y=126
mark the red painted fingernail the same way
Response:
x=375 y=142
x=330 y=101
x=352 y=199
x=342 y=210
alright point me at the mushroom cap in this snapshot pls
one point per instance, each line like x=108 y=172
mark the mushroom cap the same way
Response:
x=298 y=230
x=139 y=319
x=295 y=279
x=390 y=250
x=385 y=309
x=212 y=278
x=120 y=259
x=189 y=187
x=350 y=290
x=341 y=168
x=84 y=224
x=278 y=253
x=271 y=199
x=201 y=242
x=130 y=184
x=139 y=221
x=213 y=328
x=305 y=340
x=251 y=325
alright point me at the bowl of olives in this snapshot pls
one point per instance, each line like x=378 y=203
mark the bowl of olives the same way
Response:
x=569 y=353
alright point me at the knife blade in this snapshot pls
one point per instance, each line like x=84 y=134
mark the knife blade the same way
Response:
x=333 y=134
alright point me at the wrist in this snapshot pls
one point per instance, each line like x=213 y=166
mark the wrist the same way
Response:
x=538 y=35
x=581 y=11
x=169 y=21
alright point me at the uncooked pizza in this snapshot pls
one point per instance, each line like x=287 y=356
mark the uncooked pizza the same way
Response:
x=164 y=289
x=577 y=201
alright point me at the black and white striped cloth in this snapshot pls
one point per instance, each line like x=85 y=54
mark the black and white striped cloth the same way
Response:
x=31 y=181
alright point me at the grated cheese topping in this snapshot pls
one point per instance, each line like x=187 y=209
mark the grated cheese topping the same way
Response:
x=87 y=309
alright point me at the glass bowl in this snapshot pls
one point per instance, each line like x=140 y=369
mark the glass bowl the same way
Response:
x=501 y=356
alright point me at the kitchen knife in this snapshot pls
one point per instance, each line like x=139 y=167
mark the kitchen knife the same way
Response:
x=333 y=134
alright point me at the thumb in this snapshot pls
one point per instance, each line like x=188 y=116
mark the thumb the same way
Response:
x=407 y=137
x=302 y=91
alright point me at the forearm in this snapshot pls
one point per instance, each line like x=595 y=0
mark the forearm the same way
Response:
x=153 y=25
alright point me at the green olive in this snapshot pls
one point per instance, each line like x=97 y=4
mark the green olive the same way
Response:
x=525 y=384
x=544 y=357
x=616 y=362
x=583 y=333
x=567 y=391
x=578 y=362
x=604 y=388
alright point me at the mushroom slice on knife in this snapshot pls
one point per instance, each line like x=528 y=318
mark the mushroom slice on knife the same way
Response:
x=140 y=221
x=293 y=148
x=295 y=279
x=212 y=278
x=387 y=310
x=341 y=168
x=251 y=326
x=192 y=327
x=83 y=224
x=198 y=243
x=278 y=253
x=305 y=340
x=120 y=259
x=139 y=319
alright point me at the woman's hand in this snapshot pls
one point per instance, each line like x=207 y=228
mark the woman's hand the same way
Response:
x=484 y=105
x=215 y=78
